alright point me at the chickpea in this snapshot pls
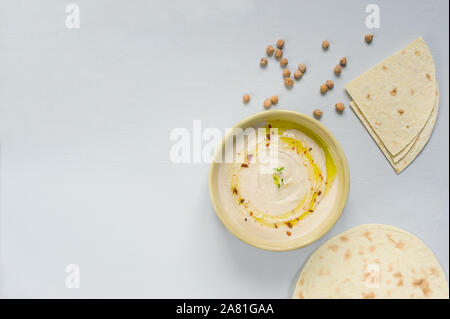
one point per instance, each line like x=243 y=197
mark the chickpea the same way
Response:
x=278 y=54
x=325 y=44
x=298 y=74
x=270 y=50
x=343 y=61
x=337 y=69
x=286 y=73
x=274 y=99
x=329 y=84
x=246 y=98
x=317 y=113
x=368 y=37
x=323 y=89
x=263 y=62
x=280 y=44
x=302 y=67
x=288 y=82
x=339 y=107
x=267 y=103
x=283 y=62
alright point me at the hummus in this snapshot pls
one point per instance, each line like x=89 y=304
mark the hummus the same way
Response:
x=283 y=186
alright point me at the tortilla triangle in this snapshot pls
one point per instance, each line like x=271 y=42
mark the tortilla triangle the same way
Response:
x=397 y=97
x=416 y=146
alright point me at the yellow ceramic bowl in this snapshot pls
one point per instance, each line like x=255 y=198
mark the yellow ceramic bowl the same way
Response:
x=342 y=174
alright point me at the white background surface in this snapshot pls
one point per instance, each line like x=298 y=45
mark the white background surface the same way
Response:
x=85 y=118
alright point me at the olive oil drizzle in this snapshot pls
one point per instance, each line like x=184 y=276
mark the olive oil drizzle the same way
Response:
x=319 y=187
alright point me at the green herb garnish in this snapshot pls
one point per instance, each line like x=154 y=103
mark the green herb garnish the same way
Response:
x=277 y=180
x=279 y=169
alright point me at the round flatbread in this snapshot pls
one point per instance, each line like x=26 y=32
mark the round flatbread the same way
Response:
x=372 y=261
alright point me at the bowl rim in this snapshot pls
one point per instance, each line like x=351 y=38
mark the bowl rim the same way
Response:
x=328 y=222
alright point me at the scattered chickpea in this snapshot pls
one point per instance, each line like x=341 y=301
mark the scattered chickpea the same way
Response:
x=298 y=74
x=317 y=113
x=323 y=88
x=283 y=62
x=280 y=44
x=246 y=98
x=400 y=111
x=270 y=50
x=302 y=67
x=263 y=62
x=368 y=37
x=339 y=107
x=286 y=73
x=267 y=103
x=274 y=99
x=278 y=53
x=329 y=84
x=343 y=61
x=288 y=82
x=337 y=69
x=325 y=44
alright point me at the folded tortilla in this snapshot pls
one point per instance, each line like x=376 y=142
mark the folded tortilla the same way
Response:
x=409 y=154
x=397 y=97
x=372 y=261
